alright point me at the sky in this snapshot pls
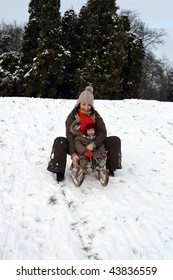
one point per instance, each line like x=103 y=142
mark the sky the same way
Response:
x=129 y=219
x=156 y=14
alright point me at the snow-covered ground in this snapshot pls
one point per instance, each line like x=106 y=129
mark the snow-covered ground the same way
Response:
x=130 y=219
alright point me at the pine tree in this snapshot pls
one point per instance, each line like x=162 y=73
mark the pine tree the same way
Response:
x=29 y=49
x=102 y=51
x=8 y=66
x=10 y=46
x=46 y=76
x=31 y=34
x=70 y=41
x=132 y=70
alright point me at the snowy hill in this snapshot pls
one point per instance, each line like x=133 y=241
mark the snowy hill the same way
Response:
x=130 y=219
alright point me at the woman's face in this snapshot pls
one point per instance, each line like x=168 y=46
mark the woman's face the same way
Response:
x=86 y=107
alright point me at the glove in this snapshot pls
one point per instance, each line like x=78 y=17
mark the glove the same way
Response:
x=89 y=154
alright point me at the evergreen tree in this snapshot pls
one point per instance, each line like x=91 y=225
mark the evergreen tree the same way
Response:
x=46 y=76
x=132 y=70
x=101 y=49
x=10 y=47
x=29 y=48
x=31 y=34
x=8 y=67
x=70 y=41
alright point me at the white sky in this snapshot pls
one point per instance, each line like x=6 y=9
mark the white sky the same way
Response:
x=155 y=14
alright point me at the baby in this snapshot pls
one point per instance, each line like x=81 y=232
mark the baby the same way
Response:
x=87 y=158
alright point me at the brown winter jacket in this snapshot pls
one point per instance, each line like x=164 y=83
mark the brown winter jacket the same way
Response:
x=98 y=140
x=81 y=143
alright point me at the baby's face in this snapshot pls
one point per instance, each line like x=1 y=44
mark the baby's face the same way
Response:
x=90 y=131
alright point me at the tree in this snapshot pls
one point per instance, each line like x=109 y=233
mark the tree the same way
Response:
x=132 y=69
x=153 y=78
x=31 y=34
x=170 y=85
x=8 y=67
x=29 y=49
x=70 y=41
x=151 y=37
x=11 y=36
x=10 y=49
x=102 y=52
x=46 y=76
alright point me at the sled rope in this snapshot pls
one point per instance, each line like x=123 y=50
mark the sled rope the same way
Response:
x=96 y=160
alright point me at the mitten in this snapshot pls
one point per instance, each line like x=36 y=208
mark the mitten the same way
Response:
x=88 y=154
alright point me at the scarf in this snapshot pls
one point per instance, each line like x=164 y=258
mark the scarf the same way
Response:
x=82 y=114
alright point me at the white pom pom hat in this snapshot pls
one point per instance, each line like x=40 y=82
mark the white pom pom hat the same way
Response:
x=86 y=96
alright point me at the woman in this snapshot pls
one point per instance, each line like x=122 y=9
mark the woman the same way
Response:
x=63 y=146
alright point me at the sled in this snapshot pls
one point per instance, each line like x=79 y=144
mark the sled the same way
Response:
x=79 y=173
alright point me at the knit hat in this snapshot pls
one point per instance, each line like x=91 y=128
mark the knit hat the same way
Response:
x=86 y=124
x=86 y=96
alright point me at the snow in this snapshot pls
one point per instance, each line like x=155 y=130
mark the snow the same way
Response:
x=130 y=219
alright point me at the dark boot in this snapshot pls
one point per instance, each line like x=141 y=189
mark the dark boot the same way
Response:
x=111 y=173
x=59 y=177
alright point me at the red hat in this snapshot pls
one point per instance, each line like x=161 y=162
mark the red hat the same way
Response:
x=86 y=124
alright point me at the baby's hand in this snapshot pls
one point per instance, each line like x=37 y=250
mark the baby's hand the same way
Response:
x=90 y=147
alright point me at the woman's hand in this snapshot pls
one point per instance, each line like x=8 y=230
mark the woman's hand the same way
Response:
x=90 y=147
x=75 y=159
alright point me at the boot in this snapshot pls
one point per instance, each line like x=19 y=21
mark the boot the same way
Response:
x=59 y=177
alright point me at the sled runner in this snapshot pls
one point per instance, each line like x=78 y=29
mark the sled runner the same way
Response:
x=79 y=173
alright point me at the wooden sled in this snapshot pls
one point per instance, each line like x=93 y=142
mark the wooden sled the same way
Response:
x=79 y=174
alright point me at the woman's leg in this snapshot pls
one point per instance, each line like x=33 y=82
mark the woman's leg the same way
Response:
x=113 y=148
x=58 y=155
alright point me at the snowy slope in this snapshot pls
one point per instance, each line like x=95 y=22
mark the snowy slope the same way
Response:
x=130 y=219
